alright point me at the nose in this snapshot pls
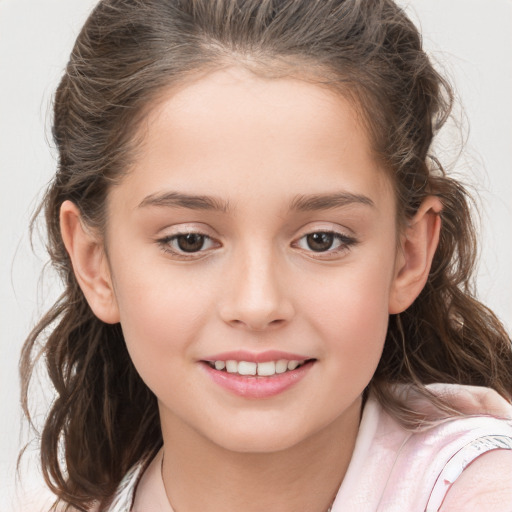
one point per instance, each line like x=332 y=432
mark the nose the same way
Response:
x=255 y=295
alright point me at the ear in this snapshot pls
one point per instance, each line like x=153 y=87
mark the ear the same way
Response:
x=90 y=265
x=418 y=246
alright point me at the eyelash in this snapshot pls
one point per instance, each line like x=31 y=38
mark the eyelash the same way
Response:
x=344 y=244
x=166 y=243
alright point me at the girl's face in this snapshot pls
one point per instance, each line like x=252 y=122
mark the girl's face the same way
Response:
x=255 y=232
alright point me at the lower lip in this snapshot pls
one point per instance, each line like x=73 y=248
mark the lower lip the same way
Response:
x=256 y=386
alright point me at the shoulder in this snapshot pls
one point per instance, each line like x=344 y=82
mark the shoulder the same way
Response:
x=486 y=484
x=454 y=457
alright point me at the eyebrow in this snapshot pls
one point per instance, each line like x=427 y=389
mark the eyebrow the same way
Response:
x=315 y=202
x=310 y=202
x=192 y=202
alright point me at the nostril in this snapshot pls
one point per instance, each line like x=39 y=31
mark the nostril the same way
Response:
x=258 y=326
x=278 y=321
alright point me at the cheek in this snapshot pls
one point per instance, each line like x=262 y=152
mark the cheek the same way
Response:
x=356 y=323
x=162 y=314
x=351 y=310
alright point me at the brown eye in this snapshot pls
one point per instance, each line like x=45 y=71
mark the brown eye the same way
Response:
x=189 y=245
x=191 y=242
x=320 y=242
x=326 y=244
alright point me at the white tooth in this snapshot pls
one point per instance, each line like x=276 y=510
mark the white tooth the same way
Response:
x=281 y=366
x=246 y=368
x=232 y=366
x=292 y=365
x=266 y=369
x=220 y=365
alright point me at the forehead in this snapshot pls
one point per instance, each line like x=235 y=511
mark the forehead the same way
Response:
x=232 y=130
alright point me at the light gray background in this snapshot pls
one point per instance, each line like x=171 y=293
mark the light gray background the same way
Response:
x=469 y=38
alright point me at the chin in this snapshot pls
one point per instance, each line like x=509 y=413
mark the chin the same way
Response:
x=260 y=443
x=263 y=437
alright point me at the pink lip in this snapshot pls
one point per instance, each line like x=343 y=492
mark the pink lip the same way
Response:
x=257 y=387
x=251 y=357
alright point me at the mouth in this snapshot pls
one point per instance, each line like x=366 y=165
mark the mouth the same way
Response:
x=257 y=376
x=257 y=369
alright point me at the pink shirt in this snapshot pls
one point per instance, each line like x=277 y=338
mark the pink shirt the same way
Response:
x=392 y=469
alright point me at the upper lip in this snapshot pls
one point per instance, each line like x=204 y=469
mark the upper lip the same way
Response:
x=260 y=357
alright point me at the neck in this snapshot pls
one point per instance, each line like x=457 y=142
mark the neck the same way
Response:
x=200 y=476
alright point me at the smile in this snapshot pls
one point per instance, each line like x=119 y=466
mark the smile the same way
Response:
x=257 y=376
x=262 y=369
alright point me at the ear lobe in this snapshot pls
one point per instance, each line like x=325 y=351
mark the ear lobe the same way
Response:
x=419 y=244
x=89 y=262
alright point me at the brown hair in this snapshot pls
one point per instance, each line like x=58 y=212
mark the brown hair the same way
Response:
x=104 y=419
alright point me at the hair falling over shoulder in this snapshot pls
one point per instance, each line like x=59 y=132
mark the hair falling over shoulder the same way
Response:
x=104 y=418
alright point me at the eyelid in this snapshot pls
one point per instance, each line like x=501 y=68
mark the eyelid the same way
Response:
x=174 y=232
x=346 y=241
x=342 y=234
x=325 y=227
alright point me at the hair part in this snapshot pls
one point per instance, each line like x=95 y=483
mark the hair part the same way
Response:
x=104 y=418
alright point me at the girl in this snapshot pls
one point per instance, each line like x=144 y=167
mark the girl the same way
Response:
x=268 y=301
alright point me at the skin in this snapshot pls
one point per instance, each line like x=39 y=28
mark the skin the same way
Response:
x=484 y=485
x=256 y=146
